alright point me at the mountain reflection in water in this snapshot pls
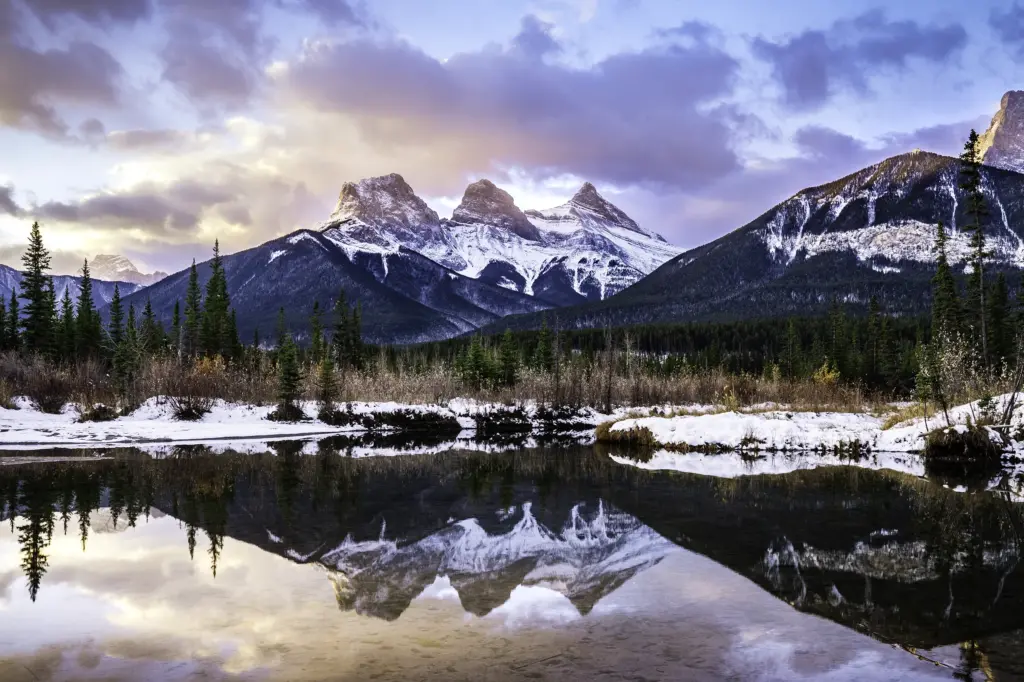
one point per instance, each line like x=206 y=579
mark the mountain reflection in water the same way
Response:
x=552 y=563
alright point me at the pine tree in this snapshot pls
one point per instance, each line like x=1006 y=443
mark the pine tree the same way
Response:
x=193 y=312
x=543 y=358
x=945 y=303
x=316 y=336
x=326 y=389
x=13 y=323
x=176 y=327
x=89 y=328
x=152 y=334
x=791 y=356
x=214 y=327
x=288 y=380
x=977 y=212
x=1000 y=342
x=341 y=337
x=234 y=344
x=355 y=341
x=66 y=337
x=35 y=288
x=115 y=328
x=509 y=359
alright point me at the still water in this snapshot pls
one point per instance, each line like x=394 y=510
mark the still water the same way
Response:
x=547 y=563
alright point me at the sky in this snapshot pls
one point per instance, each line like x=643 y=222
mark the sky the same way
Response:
x=151 y=128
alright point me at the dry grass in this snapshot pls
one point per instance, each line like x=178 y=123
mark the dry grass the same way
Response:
x=576 y=385
x=915 y=411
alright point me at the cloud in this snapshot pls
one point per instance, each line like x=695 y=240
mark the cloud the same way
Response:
x=640 y=117
x=1009 y=27
x=134 y=140
x=33 y=82
x=7 y=204
x=535 y=39
x=215 y=51
x=812 y=66
x=92 y=11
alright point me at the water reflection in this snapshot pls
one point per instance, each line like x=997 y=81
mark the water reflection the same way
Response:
x=556 y=535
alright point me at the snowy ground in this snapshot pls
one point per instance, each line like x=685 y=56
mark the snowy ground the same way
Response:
x=789 y=431
x=154 y=423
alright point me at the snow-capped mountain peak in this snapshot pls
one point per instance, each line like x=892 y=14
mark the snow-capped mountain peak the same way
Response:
x=114 y=268
x=1002 y=145
x=589 y=210
x=384 y=201
x=487 y=204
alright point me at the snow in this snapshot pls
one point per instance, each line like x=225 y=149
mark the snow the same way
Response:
x=237 y=426
x=780 y=430
x=275 y=255
x=735 y=465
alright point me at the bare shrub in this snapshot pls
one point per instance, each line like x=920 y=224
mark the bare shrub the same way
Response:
x=191 y=391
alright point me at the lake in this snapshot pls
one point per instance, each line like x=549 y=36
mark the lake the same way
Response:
x=303 y=561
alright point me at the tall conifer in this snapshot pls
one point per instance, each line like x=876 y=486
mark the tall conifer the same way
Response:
x=36 y=292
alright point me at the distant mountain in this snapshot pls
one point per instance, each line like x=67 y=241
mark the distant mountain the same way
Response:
x=421 y=278
x=102 y=291
x=586 y=249
x=120 y=269
x=405 y=297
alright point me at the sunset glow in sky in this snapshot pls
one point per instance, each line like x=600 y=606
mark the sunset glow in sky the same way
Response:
x=148 y=128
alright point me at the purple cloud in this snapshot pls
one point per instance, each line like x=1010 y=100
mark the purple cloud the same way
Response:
x=812 y=66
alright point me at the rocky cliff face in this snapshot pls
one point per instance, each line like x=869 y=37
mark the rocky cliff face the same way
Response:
x=486 y=204
x=119 y=269
x=1002 y=145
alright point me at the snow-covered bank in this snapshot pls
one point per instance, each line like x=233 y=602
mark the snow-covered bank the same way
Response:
x=788 y=431
x=154 y=423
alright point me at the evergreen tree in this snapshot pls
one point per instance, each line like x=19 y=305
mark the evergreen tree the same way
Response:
x=115 y=328
x=288 y=379
x=977 y=212
x=355 y=342
x=5 y=343
x=1000 y=343
x=66 y=336
x=945 y=303
x=791 y=354
x=152 y=333
x=13 y=323
x=509 y=359
x=234 y=344
x=214 y=327
x=326 y=388
x=873 y=356
x=88 y=327
x=36 y=290
x=282 y=329
x=176 y=327
x=341 y=337
x=316 y=336
x=193 y=313
x=544 y=359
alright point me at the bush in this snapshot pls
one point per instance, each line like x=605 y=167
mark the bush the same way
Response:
x=191 y=391
x=287 y=412
x=970 y=442
x=98 y=413
x=49 y=390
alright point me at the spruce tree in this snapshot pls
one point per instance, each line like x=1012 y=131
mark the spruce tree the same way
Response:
x=214 y=327
x=544 y=358
x=115 y=328
x=355 y=342
x=193 y=312
x=873 y=356
x=977 y=212
x=326 y=389
x=36 y=288
x=152 y=334
x=88 y=327
x=66 y=345
x=288 y=380
x=945 y=303
x=1000 y=343
x=509 y=359
x=233 y=349
x=316 y=336
x=282 y=329
x=791 y=354
x=341 y=337
x=176 y=327
x=13 y=323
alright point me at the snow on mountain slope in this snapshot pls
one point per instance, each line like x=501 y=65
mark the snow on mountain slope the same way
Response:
x=585 y=249
x=593 y=554
x=119 y=269
x=102 y=291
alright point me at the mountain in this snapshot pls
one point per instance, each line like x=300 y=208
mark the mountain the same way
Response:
x=102 y=291
x=871 y=233
x=120 y=269
x=405 y=297
x=421 y=278
x=1002 y=145
x=586 y=249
